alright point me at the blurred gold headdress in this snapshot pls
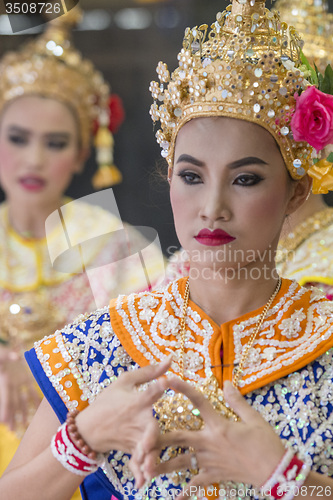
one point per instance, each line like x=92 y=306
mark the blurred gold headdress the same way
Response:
x=315 y=25
x=245 y=66
x=51 y=66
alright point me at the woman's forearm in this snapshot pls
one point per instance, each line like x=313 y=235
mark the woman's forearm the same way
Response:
x=42 y=478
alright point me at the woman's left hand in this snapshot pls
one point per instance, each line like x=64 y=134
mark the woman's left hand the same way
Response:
x=247 y=451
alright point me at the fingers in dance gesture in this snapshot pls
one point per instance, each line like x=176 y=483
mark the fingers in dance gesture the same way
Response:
x=119 y=415
x=223 y=450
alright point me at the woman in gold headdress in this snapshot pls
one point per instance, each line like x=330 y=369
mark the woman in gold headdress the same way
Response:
x=305 y=248
x=239 y=150
x=51 y=100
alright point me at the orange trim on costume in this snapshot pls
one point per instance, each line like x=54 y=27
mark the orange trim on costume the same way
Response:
x=68 y=381
x=128 y=342
x=125 y=339
x=225 y=336
x=302 y=303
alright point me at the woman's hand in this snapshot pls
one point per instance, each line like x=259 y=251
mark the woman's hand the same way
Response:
x=19 y=398
x=120 y=414
x=247 y=451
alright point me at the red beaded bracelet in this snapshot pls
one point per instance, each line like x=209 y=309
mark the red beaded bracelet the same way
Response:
x=287 y=478
x=71 y=450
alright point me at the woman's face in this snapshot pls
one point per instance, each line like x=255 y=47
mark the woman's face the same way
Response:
x=39 y=150
x=230 y=191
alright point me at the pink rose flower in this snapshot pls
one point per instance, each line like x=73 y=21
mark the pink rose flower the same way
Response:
x=312 y=121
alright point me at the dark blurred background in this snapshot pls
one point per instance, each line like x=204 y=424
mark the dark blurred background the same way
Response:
x=125 y=39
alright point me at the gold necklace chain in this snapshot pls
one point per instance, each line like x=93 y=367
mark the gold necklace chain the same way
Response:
x=239 y=370
x=173 y=410
x=183 y=328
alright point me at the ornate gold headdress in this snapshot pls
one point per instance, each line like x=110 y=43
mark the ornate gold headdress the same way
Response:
x=245 y=66
x=315 y=25
x=51 y=66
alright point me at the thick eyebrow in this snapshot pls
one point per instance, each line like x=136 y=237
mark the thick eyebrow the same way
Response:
x=242 y=162
x=49 y=135
x=58 y=135
x=190 y=159
x=249 y=160
x=15 y=128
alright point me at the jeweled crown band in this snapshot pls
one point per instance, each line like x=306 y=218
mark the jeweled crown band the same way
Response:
x=245 y=66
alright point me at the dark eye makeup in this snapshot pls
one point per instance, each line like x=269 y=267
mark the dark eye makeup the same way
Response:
x=245 y=180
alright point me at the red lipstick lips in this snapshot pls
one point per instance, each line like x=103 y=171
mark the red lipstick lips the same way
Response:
x=214 y=238
x=32 y=183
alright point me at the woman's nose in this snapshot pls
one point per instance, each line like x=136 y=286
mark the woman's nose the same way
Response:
x=35 y=156
x=215 y=206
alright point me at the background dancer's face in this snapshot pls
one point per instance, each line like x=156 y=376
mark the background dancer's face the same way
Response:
x=39 y=150
x=229 y=175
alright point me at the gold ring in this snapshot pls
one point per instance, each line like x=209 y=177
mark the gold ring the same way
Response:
x=194 y=462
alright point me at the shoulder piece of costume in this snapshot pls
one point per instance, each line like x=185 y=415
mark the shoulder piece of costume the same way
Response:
x=76 y=359
x=305 y=254
x=27 y=261
x=298 y=328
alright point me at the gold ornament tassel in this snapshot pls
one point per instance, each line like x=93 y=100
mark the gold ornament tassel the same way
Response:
x=107 y=174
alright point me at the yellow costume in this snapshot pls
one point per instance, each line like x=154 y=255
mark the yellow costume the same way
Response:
x=305 y=254
x=38 y=293
x=36 y=299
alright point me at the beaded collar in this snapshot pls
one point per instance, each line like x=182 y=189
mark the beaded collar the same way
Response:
x=297 y=330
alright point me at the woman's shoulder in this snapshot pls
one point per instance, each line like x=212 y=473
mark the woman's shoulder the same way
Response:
x=297 y=330
x=314 y=301
x=84 y=356
x=304 y=314
x=94 y=330
x=141 y=310
x=147 y=298
x=88 y=334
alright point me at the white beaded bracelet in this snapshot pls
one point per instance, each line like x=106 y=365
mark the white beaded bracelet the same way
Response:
x=287 y=479
x=70 y=456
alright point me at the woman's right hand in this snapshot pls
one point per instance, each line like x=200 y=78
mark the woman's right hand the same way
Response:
x=19 y=397
x=119 y=415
